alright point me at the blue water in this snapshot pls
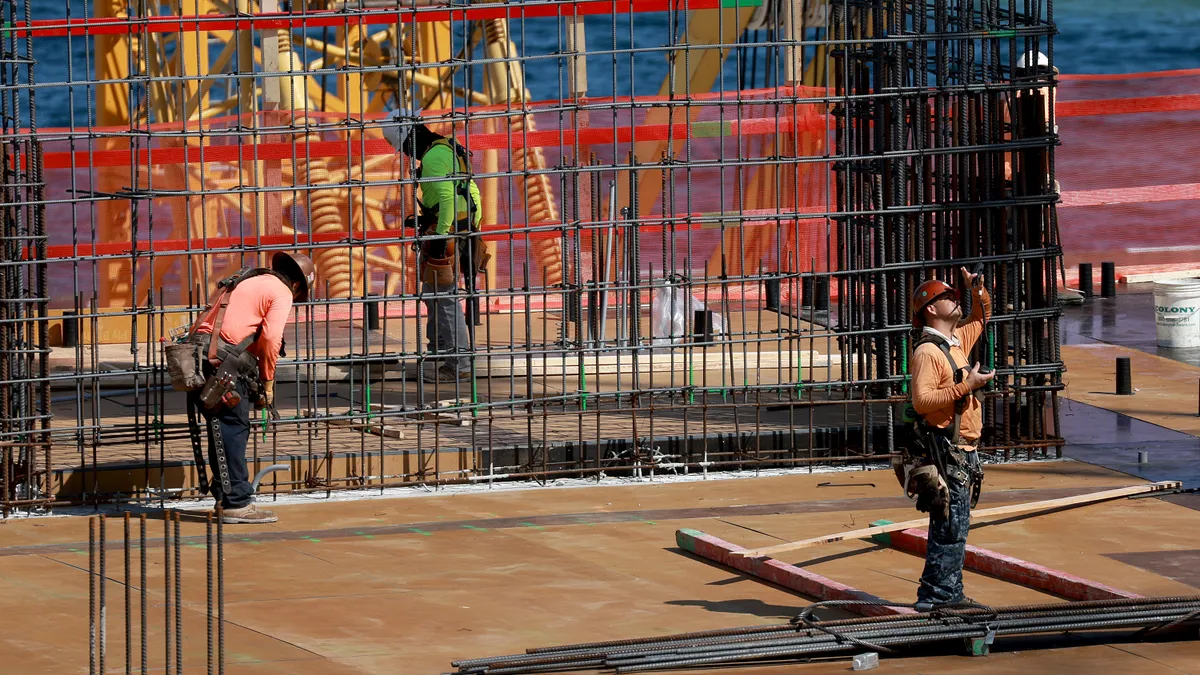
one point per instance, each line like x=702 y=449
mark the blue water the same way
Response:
x=1096 y=36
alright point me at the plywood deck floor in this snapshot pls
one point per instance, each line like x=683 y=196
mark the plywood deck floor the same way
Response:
x=406 y=585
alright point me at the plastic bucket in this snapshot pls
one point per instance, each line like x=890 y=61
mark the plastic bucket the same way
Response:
x=1177 y=313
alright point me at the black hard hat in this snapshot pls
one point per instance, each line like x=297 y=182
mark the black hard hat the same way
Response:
x=297 y=267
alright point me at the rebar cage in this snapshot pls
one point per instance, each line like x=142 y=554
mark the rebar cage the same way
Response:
x=710 y=275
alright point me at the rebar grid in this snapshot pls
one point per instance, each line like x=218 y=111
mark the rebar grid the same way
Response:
x=800 y=202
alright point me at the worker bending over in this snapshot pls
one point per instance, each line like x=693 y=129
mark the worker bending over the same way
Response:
x=248 y=315
x=448 y=217
x=946 y=474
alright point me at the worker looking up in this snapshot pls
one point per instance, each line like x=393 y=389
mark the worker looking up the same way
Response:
x=948 y=479
x=248 y=314
x=448 y=213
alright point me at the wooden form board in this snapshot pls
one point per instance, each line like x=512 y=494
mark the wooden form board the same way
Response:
x=809 y=584
x=976 y=517
x=1008 y=568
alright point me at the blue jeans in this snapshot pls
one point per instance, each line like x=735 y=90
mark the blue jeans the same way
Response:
x=234 y=424
x=941 y=580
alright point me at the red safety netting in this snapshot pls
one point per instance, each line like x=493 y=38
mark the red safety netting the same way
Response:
x=718 y=205
x=1127 y=171
x=1130 y=181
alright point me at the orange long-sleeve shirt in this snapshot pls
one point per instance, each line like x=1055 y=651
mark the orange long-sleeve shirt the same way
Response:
x=262 y=300
x=934 y=390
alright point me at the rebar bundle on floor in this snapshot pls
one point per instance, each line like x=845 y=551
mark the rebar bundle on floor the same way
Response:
x=805 y=637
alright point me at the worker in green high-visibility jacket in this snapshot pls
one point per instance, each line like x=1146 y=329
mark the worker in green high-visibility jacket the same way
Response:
x=448 y=220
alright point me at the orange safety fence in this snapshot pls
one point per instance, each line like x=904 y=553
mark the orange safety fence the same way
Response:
x=1126 y=167
x=331 y=182
x=1128 y=171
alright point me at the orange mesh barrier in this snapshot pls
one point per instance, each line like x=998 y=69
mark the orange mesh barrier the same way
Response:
x=1128 y=171
x=718 y=203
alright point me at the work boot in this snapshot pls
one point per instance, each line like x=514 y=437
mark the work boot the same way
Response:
x=929 y=606
x=445 y=373
x=248 y=514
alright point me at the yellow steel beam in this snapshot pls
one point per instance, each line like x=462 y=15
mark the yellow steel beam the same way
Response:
x=694 y=75
x=193 y=58
x=430 y=42
x=112 y=53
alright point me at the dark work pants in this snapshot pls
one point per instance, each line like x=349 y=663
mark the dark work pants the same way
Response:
x=941 y=580
x=235 y=434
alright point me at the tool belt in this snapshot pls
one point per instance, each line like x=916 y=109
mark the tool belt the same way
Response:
x=437 y=257
x=210 y=370
x=235 y=366
x=929 y=448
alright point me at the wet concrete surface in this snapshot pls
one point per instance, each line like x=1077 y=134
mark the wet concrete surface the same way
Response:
x=1126 y=320
x=1113 y=440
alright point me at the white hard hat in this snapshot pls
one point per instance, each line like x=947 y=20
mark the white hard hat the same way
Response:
x=398 y=126
x=1037 y=57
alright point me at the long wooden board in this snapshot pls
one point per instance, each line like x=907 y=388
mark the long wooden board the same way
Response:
x=976 y=516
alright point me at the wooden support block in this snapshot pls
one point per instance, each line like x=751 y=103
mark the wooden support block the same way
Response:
x=977 y=646
x=1008 y=568
x=806 y=583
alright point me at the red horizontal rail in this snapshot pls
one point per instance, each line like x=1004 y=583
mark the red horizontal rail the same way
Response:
x=320 y=19
x=783 y=123
x=301 y=150
x=1115 y=77
x=375 y=238
x=1126 y=106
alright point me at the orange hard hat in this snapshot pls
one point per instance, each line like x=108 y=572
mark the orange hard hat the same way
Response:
x=925 y=294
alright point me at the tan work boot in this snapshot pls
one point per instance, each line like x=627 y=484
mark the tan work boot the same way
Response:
x=248 y=514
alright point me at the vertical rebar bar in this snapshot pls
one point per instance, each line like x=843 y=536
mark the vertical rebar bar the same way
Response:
x=178 y=601
x=208 y=612
x=92 y=623
x=128 y=600
x=103 y=588
x=143 y=589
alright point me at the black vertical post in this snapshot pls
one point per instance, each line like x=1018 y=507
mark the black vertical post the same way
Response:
x=1085 y=280
x=771 y=289
x=1124 y=377
x=806 y=292
x=702 y=325
x=821 y=302
x=1108 y=280
x=371 y=312
x=70 y=329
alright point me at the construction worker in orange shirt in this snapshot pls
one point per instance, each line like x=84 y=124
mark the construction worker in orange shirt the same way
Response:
x=941 y=466
x=226 y=363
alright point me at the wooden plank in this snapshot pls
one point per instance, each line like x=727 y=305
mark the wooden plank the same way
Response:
x=1136 y=278
x=808 y=584
x=1008 y=568
x=976 y=517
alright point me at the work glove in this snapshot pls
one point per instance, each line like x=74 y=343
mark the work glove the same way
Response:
x=933 y=497
x=268 y=395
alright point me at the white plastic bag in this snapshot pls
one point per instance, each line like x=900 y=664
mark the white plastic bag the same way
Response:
x=669 y=309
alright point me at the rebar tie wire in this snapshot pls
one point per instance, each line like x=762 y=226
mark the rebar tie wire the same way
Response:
x=804 y=618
